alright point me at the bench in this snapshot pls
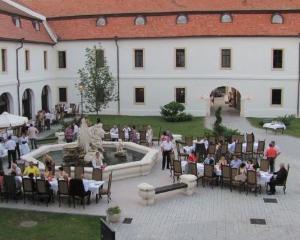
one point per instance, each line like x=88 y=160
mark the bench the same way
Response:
x=169 y=188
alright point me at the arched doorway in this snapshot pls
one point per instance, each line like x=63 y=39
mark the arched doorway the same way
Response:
x=228 y=98
x=46 y=100
x=6 y=103
x=28 y=103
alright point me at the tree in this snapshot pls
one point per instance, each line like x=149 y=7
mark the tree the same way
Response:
x=218 y=128
x=96 y=81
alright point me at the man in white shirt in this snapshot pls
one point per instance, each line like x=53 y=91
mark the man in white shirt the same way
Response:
x=48 y=120
x=2 y=153
x=166 y=149
x=10 y=145
x=114 y=133
x=75 y=131
x=32 y=135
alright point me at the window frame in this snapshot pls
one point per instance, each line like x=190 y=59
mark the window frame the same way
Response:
x=221 y=58
x=226 y=14
x=281 y=97
x=140 y=16
x=27 y=60
x=272 y=59
x=58 y=88
x=16 y=19
x=277 y=14
x=175 y=93
x=5 y=60
x=185 y=57
x=182 y=15
x=102 y=18
x=134 y=94
x=58 y=65
x=134 y=59
x=45 y=59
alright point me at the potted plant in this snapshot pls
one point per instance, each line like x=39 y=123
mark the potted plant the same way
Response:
x=113 y=214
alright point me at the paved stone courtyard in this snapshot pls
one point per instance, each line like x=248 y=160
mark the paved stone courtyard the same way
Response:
x=208 y=214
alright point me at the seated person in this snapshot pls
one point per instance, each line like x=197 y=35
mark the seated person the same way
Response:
x=222 y=161
x=48 y=161
x=278 y=178
x=18 y=180
x=193 y=157
x=242 y=176
x=16 y=169
x=209 y=160
x=61 y=173
x=48 y=173
x=235 y=162
x=48 y=186
x=31 y=169
x=114 y=133
x=86 y=188
x=97 y=161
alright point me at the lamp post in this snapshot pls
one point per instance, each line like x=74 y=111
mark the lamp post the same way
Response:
x=81 y=89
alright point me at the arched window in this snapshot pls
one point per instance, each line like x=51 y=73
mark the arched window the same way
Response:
x=140 y=20
x=226 y=18
x=182 y=19
x=277 y=19
x=101 y=21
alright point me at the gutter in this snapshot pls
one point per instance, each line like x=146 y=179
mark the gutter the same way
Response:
x=17 y=74
x=118 y=74
x=298 y=90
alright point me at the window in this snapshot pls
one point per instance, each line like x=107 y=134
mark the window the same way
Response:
x=101 y=21
x=140 y=20
x=3 y=60
x=277 y=19
x=182 y=19
x=36 y=25
x=180 y=95
x=99 y=58
x=226 y=18
x=180 y=58
x=17 y=21
x=277 y=58
x=226 y=58
x=139 y=95
x=45 y=60
x=27 y=60
x=138 y=58
x=62 y=94
x=276 y=97
x=62 y=63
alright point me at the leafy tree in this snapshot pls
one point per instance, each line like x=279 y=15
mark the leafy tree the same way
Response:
x=96 y=81
x=218 y=128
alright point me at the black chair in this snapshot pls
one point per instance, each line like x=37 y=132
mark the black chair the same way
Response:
x=177 y=172
x=209 y=175
x=193 y=170
x=226 y=175
x=63 y=191
x=10 y=188
x=105 y=191
x=252 y=182
x=28 y=189
x=43 y=190
x=283 y=185
x=77 y=191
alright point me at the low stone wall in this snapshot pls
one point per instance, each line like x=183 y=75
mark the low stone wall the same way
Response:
x=120 y=171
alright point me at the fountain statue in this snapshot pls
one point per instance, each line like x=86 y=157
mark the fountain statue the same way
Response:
x=120 y=149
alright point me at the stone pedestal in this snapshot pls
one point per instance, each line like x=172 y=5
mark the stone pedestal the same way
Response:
x=147 y=193
x=191 y=181
x=60 y=136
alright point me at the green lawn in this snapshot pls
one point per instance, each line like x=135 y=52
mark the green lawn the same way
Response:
x=190 y=128
x=292 y=130
x=50 y=226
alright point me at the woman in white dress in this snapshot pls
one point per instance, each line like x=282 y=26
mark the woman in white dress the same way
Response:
x=149 y=135
x=23 y=144
x=97 y=161
x=84 y=138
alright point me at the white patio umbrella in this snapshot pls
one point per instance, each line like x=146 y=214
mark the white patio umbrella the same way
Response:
x=9 y=120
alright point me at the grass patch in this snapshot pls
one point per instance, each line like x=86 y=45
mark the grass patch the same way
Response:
x=292 y=130
x=194 y=127
x=50 y=226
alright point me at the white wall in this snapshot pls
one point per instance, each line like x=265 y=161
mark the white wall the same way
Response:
x=251 y=73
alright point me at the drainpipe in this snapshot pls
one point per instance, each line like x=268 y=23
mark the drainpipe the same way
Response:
x=118 y=73
x=17 y=74
x=298 y=94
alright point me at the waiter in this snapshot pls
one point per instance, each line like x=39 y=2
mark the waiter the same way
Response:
x=166 y=148
x=10 y=145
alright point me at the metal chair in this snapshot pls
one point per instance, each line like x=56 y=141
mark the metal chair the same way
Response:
x=251 y=182
x=78 y=172
x=63 y=191
x=209 y=175
x=28 y=189
x=226 y=175
x=264 y=165
x=105 y=191
x=177 y=172
x=43 y=190
x=97 y=174
x=193 y=170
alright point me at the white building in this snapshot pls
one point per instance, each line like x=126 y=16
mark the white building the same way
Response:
x=166 y=51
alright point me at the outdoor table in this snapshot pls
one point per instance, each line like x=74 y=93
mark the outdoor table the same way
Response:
x=93 y=185
x=200 y=168
x=274 y=126
x=264 y=177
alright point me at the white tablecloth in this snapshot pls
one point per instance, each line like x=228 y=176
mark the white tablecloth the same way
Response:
x=200 y=168
x=274 y=125
x=93 y=185
x=264 y=177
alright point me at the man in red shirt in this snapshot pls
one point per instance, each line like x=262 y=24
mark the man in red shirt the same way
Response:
x=271 y=154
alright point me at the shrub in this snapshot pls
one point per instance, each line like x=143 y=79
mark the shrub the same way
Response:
x=174 y=112
x=286 y=119
x=113 y=210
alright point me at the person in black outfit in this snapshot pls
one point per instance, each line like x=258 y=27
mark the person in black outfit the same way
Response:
x=278 y=178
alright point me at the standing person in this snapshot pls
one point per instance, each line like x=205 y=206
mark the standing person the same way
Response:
x=23 y=142
x=97 y=162
x=114 y=133
x=166 y=148
x=271 y=154
x=2 y=153
x=133 y=135
x=69 y=134
x=48 y=119
x=75 y=131
x=32 y=135
x=11 y=147
x=16 y=139
x=149 y=135
x=126 y=131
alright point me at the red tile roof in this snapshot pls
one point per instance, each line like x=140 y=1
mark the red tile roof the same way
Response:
x=55 y=8
x=8 y=30
x=165 y=26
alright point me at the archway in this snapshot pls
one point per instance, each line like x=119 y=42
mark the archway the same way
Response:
x=46 y=98
x=28 y=103
x=6 y=103
x=228 y=98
